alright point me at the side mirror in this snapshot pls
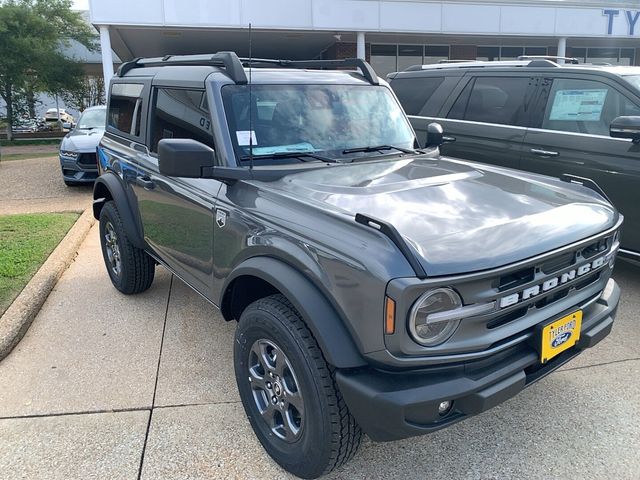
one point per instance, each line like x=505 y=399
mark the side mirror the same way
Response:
x=184 y=157
x=66 y=125
x=626 y=127
x=434 y=135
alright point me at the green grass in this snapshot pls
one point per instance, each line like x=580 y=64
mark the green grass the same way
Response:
x=25 y=243
x=25 y=156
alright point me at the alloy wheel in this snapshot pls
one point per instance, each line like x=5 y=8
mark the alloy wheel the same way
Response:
x=113 y=249
x=275 y=389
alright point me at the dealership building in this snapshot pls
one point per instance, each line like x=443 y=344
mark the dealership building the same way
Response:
x=391 y=34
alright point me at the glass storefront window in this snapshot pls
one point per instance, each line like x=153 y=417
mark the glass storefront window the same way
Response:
x=614 y=56
x=384 y=59
x=488 y=53
x=535 y=51
x=511 y=53
x=435 y=53
x=392 y=58
x=627 y=56
x=409 y=55
x=579 y=53
x=603 y=55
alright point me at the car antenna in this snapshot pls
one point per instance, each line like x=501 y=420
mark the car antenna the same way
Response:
x=250 y=107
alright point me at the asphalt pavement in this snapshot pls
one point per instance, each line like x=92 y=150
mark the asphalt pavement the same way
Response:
x=35 y=185
x=106 y=386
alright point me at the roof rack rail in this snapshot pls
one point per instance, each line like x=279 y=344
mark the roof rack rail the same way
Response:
x=228 y=60
x=365 y=68
x=482 y=64
x=451 y=60
x=234 y=66
x=549 y=57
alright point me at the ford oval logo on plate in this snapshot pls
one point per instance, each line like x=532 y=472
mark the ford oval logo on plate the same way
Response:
x=559 y=335
x=560 y=339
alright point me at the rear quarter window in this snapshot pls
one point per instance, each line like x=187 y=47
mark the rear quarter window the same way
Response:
x=500 y=100
x=414 y=93
x=125 y=108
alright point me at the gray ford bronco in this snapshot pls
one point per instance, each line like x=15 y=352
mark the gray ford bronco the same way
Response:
x=378 y=287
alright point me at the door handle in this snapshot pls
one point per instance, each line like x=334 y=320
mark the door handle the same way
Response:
x=447 y=139
x=145 y=182
x=544 y=153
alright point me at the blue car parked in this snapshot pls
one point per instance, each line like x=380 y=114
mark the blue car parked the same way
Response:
x=78 y=159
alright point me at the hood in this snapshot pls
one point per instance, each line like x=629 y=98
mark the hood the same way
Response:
x=82 y=140
x=459 y=217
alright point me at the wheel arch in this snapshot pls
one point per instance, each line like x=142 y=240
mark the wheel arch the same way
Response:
x=258 y=277
x=108 y=187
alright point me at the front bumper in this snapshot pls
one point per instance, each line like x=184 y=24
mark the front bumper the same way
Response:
x=83 y=169
x=395 y=405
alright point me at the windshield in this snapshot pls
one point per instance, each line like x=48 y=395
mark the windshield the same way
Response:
x=633 y=80
x=323 y=119
x=93 y=119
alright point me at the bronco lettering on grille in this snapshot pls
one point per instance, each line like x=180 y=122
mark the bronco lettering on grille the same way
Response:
x=552 y=283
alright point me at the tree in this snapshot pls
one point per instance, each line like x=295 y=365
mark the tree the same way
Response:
x=88 y=93
x=31 y=33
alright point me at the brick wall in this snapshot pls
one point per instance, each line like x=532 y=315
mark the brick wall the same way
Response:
x=340 y=50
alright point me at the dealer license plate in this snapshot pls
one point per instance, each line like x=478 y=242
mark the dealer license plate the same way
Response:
x=560 y=335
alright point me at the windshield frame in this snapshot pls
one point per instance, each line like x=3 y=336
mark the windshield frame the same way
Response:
x=242 y=155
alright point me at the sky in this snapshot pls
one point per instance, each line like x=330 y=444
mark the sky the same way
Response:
x=81 y=4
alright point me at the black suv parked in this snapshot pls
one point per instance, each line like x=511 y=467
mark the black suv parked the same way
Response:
x=377 y=288
x=536 y=115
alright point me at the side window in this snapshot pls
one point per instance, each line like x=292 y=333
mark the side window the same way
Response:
x=125 y=108
x=584 y=106
x=180 y=114
x=414 y=93
x=501 y=100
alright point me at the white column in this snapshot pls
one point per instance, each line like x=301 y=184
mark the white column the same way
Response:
x=360 y=46
x=562 y=48
x=107 y=54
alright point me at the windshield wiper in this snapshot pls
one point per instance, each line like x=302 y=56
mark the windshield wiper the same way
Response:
x=299 y=155
x=377 y=148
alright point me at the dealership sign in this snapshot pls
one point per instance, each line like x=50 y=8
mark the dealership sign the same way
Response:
x=631 y=17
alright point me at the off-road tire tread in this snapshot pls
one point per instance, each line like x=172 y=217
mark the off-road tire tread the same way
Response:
x=347 y=434
x=136 y=263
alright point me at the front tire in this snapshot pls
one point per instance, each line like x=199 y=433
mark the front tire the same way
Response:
x=289 y=392
x=130 y=268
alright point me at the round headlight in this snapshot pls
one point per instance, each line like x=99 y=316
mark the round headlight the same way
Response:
x=427 y=329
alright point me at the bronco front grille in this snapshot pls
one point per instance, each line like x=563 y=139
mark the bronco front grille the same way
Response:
x=549 y=281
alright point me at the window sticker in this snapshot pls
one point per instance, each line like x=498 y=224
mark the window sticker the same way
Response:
x=245 y=137
x=578 y=105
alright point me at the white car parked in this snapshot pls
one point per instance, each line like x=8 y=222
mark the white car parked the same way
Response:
x=52 y=116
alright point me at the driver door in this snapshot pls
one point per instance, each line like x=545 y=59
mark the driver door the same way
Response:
x=177 y=214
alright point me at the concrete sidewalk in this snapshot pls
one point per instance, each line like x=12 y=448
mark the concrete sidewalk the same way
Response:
x=105 y=386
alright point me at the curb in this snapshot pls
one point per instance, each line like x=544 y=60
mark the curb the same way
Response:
x=15 y=322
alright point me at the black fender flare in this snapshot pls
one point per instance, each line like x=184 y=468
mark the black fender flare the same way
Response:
x=113 y=185
x=320 y=316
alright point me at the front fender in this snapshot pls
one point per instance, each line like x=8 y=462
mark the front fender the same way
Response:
x=108 y=186
x=328 y=328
